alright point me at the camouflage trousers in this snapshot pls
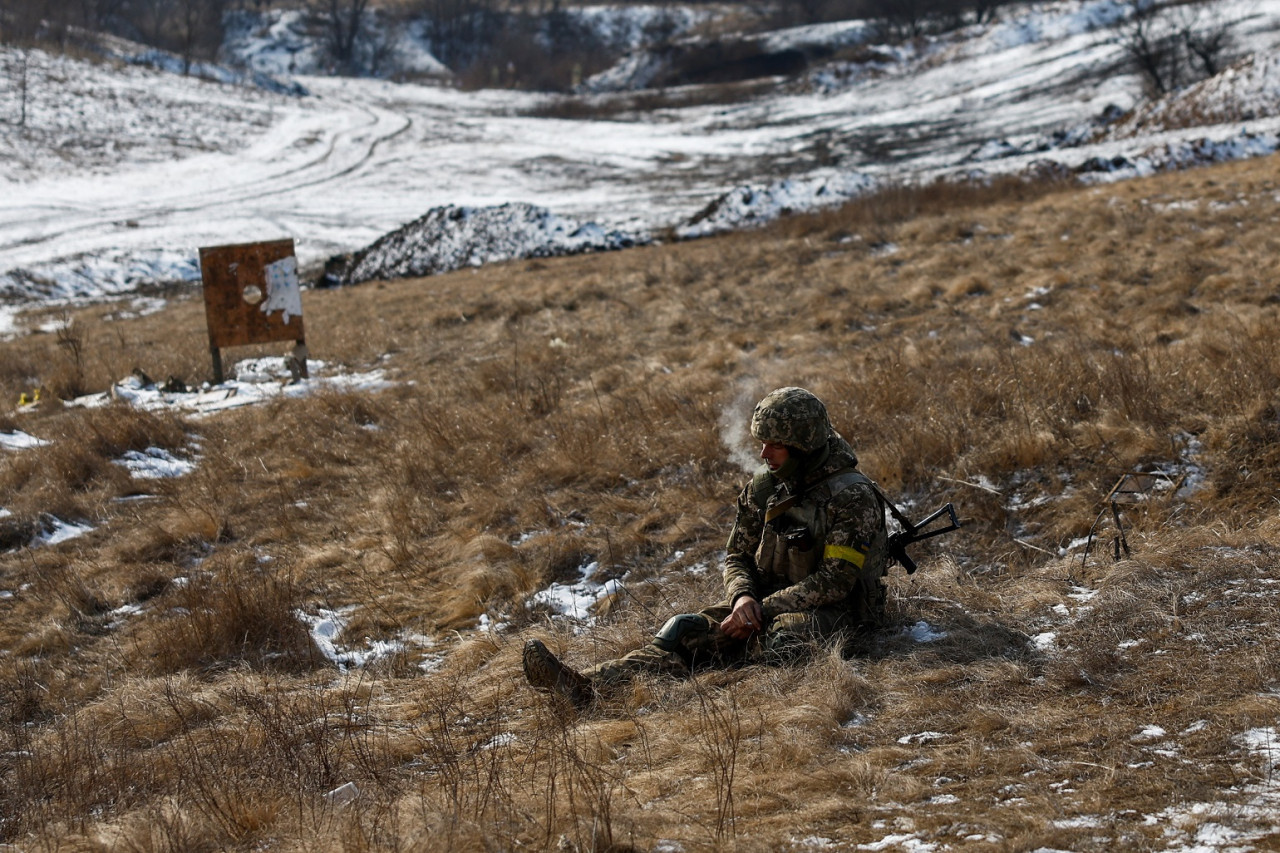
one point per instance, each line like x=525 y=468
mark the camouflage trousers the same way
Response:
x=701 y=643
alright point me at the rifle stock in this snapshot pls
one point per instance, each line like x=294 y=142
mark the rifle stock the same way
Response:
x=914 y=532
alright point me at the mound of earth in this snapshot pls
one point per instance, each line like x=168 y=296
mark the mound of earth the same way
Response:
x=747 y=206
x=1247 y=91
x=451 y=237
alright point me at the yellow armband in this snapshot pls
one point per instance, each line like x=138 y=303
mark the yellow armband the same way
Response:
x=846 y=553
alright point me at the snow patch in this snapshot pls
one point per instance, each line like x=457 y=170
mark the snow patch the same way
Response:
x=1148 y=733
x=154 y=463
x=19 y=440
x=55 y=531
x=257 y=380
x=921 y=737
x=1045 y=641
x=326 y=627
x=923 y=632
x=576 y=600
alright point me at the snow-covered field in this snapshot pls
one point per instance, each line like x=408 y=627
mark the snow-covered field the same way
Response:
x=120 y=172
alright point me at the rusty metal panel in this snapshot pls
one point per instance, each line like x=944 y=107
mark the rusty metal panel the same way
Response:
x=251 y=293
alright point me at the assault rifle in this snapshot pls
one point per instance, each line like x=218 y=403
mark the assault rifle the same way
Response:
x=914 y=532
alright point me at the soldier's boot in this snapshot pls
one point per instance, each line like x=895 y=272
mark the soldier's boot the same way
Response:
x=544 y=671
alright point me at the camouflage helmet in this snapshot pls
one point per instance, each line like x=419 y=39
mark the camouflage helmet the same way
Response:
x=791 y=416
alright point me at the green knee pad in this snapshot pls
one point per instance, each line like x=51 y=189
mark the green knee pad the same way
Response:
x=677 y=628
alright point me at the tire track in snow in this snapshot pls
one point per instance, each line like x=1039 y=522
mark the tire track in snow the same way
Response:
x=62 y=220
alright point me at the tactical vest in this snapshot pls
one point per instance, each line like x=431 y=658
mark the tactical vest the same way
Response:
x=793 y=539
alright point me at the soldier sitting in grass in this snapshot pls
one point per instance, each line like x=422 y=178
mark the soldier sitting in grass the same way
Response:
x=805 y=561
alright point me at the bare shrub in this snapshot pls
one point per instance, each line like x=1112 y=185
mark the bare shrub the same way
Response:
x=69 y=380
x=173 y=538
x=463 y=758
x=721 y=739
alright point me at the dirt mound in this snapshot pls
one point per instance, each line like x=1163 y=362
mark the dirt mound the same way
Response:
x=1247 y=91
x=748 y=206
x=451 y=237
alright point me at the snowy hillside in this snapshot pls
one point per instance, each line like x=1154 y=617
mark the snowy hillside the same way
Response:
x=120 y=172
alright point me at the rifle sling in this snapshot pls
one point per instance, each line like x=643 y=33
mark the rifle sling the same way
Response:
x=907 y=526
x=780 y=507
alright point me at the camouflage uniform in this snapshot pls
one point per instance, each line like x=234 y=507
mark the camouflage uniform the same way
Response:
x=809 y=543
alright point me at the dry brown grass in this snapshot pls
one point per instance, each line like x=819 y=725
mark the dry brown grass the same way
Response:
x=1013 y=350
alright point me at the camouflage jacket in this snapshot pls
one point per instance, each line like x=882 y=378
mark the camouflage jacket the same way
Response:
x=814 y=551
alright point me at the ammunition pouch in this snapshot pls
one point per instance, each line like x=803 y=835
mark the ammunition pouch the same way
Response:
x=798 y=537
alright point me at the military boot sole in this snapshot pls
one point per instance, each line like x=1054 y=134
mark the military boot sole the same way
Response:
x=544 y=671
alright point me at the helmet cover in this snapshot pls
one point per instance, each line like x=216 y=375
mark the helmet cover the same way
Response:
x=793 y=417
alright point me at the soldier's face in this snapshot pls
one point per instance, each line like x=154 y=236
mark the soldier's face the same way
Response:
x=774 y=454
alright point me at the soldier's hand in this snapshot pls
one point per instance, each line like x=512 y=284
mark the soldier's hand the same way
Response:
x=747 y=618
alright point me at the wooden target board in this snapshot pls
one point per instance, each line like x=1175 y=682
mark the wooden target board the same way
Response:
x=251 y=296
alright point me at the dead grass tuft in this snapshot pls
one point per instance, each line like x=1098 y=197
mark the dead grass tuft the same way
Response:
x=232 y=611
x=75 y=471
